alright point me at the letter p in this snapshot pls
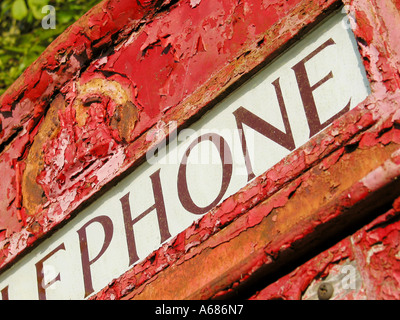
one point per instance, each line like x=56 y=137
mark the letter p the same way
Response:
x=107 y=225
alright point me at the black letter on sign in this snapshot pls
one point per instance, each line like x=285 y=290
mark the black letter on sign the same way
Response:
x=4 y=293
x=107 y=225
x=226 y=159
x=40 y=273
x=285 y=139
x=306 y=92
x=159 y=206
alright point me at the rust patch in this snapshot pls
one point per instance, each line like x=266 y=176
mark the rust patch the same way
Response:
x=124 y=120
x=33 y=195
x=368 y=261
x=256 y=226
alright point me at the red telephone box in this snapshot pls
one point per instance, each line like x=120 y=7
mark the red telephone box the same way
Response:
x=206 y=150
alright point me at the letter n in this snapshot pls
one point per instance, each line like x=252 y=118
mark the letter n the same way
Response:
x=244 y=116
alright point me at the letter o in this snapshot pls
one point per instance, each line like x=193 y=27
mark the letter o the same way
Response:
x=226 y=159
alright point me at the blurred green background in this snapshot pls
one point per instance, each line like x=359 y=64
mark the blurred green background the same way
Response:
x=22 y=38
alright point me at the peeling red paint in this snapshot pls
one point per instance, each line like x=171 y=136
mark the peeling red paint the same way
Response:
x=374 y=252
x=63 y=59
x=243 y=211
x=235 y=28
x=374 y=28
x=170 y=61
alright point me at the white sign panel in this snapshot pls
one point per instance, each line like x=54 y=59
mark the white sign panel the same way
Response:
x=275 y=112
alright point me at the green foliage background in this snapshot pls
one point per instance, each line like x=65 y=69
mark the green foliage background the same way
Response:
x=22 y=38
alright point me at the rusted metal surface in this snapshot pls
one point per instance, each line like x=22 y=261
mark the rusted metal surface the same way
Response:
x=61 y=167
x=76 y=122
x=25 y=103
x=363 y=266
x=246 y=232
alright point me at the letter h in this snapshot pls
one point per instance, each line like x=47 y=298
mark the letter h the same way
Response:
x=158 y=205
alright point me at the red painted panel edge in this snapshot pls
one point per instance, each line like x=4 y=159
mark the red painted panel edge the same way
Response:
x=379 y=62
x=22 y=230
x=107 y=23
x=320 y=153
x=373 y=251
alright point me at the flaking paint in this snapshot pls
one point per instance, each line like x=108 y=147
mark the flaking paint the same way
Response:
x=237 y=40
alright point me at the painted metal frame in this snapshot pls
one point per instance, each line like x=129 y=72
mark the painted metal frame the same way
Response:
x=343 y=174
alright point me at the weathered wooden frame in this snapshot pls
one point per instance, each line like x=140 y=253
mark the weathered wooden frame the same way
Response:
x=343 y=174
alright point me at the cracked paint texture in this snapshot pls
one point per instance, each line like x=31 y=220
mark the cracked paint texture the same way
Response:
x=76 y=120
x=246 y=233
x=55 y=163
x=374 y=254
